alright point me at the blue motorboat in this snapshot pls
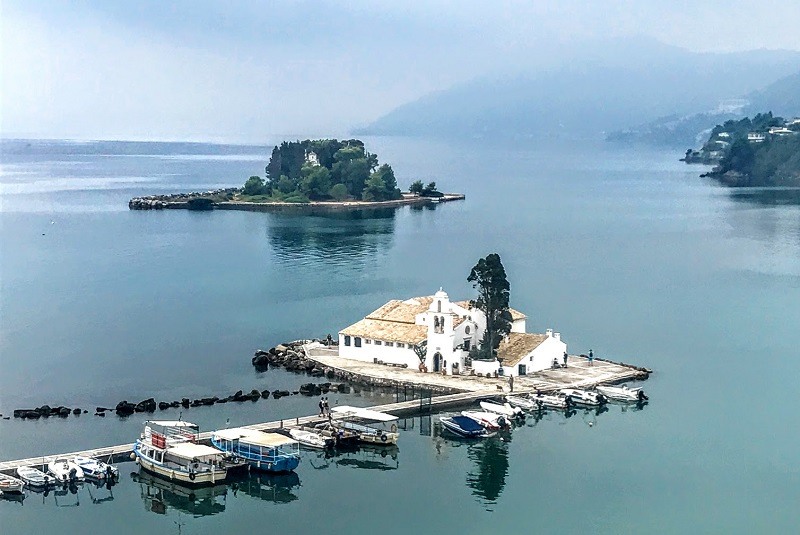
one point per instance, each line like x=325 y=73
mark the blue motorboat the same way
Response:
x=270 y=452
x=464 y=426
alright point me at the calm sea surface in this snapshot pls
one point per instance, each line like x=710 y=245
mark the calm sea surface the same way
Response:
x=625 y=251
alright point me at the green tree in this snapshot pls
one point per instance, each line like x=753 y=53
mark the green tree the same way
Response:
x=253 y=186
x=488 y=276
x=374 y=189
x=338 y=192
x=416 y=187
x=382 y=185
x=316 y=182
x=353 y=173
x=286 y=184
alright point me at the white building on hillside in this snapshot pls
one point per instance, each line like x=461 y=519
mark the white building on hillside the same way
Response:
x=445 y=331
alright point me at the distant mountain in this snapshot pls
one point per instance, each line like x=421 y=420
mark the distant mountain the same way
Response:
x=597 y=90
x=781 y=97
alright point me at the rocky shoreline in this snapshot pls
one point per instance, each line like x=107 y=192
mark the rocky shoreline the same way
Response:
x=223 y=199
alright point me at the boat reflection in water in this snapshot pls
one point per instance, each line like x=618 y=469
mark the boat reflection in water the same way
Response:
x=363 y=457
x=269 y=487
x=159 y=495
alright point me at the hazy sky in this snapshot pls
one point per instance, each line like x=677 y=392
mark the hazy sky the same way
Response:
x=252 y=71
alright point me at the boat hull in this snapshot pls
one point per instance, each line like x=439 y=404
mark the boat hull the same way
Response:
x=184 y=477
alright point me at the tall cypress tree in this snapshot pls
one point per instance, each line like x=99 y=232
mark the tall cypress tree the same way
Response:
x=488 y=276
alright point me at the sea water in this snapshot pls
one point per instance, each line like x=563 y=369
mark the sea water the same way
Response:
x=623 y=250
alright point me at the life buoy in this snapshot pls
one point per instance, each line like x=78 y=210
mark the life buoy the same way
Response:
x=192 y=476
x=383 y=438
x=394 y=428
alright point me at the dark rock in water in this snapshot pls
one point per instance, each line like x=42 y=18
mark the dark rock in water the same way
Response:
x=19 y=413
x=209 y=401
x=265 y=394
x=101 y=409
x=44 y=410
x=261 y=362
x=307 y=389
x=330 y=374
x=147 y=405
x=223 y=400
x=316 y=372
x=254 y=395
x=175 y=404
x=277 y=394
x=343 y=388
x=64 y=411
x=238 y=396
x=196 y=403
x=163 y=405
x=325 y=387
x=100 y=414
x=85 y=411
x=185 y=403
x=76 y=411
x=124 y=408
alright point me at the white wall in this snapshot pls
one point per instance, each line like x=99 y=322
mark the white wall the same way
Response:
x=541 y=358
x=369 y=352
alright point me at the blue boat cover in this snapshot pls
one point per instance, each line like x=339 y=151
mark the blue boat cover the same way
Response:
x=467 y=424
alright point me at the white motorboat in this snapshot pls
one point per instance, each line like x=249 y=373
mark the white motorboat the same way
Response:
x=584 y=397
x=552 y=401
x=622 y=393
x=489 y=420
x=169 y=449
x=505 y=409
x=34 y=478
x=311 y=439
x=464 y=427
x=522 y=403
x=10 y=484
x=65 y=471
x=94 y=469
x=355 y=419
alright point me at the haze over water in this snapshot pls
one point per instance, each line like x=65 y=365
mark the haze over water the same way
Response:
x=625 y=251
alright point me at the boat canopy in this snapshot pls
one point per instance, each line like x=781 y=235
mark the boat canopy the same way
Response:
x=234 y=433
x=467 y=424
x=364 y=414
x=172 y=423
x=189 y=450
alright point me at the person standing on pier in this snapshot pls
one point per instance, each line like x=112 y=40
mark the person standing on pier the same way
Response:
x=321 y=406
x=565 y=359
x=591 y=358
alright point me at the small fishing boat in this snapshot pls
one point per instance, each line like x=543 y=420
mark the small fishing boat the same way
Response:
x=342 y=438
x=584 y=397
x=622 y=393
x=271 y=452
x=10 y=484
x=94 y=469
x=354 y=419
x=522 y=403
x=311 y=439
x=35 y=478
x=64 y=471
x=505 y=409
x=489 y=420
x=464 y=427
x=552 y=401
x=169 y=449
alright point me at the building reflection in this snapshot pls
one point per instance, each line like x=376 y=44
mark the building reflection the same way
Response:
x=364 y=457
x=766 y=196
x=160 y=495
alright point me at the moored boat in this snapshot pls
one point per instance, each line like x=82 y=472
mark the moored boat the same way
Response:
x=65 y=471
x=584 y=397
x=552 y=401
x=311 y=439
x=622 y=393
x=489 y=420
x=505 y=409
x=522 y=403
x=35 y=478
x=169 y=449
x=10 y=484
x=271 y=452
x=94 y=469
x=464 y=427
x=354 y=419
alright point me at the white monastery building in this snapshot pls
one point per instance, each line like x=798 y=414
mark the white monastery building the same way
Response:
x=446 y=331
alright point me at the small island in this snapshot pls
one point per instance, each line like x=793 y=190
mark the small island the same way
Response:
x=760 y=152
x=318 y=174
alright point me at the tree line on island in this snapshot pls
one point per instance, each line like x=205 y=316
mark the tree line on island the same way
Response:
x=327 y=170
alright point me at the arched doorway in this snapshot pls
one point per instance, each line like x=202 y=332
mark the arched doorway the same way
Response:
x=437 y=362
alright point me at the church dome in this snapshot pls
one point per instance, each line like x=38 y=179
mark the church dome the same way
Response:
x=441 y=294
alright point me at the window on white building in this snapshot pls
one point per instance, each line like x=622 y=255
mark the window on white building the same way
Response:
x=357 y=341
x=347 y=340
x=378 y=342
x=400 y=344
x=390 y=344
x=367 y=341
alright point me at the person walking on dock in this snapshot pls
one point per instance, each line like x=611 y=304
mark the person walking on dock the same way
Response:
x=565 y=359
x=322 y=406
x=591 y=358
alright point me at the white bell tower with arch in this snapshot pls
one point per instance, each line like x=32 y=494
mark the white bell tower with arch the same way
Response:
x=441 y=337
